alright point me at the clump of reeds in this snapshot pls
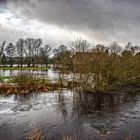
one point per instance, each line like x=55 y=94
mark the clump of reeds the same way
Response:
x=69 y=137
x=36 y=135
x=28 y=78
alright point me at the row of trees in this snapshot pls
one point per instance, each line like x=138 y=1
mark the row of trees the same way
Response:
x=31 y=51
x=27 y=51
x=64 y=55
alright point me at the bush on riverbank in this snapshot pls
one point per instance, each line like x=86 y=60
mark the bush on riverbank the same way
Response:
x=104 y=69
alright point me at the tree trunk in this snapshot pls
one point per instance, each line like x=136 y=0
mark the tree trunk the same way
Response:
x=21 y=61
x=11 y=63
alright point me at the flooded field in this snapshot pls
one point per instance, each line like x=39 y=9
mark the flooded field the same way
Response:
x=64 y=112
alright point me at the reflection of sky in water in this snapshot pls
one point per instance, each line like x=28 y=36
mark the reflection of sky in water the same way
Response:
x=50 y=74
x=7 y=73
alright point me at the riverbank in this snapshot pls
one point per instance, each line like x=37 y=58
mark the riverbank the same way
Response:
x=27 y=89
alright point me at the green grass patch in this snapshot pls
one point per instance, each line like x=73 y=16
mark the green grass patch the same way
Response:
x=5 y=77
x=24 y=68
x=22 y=79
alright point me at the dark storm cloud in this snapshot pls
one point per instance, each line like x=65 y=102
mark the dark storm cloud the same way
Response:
x=3 y=1
x=103 y=19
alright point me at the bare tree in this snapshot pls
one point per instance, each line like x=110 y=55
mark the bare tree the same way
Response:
x=101 y=48
x=45 y=52
x=79 y=45
x=2 y=47
x=132 y=49
x=128 y=46
x=32 y=49
x=20 y=46
x=10 y=49
x=115 y=48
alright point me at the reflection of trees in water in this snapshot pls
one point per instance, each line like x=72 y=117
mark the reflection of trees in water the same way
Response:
x=61 y=104
x=23 y=103
x=97 y=110
x=87 y=103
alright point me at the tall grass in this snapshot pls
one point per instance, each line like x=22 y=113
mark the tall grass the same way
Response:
x=36 y=135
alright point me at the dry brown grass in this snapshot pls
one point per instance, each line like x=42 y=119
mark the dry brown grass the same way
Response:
x=36 y=135
x=69 y=137
x=26 y=89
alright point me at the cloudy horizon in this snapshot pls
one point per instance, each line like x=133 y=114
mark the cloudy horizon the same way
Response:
x=59 y=21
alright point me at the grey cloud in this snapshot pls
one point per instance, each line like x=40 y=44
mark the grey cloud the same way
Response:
x=10 y=34
x=103 y=19
x=3 y=1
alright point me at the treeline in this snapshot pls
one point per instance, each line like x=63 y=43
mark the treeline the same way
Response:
x=31 y=51
x=27 y=51
x=65 y=55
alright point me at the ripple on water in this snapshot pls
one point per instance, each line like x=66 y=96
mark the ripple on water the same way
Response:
x=6 y=111
x=10 y=100
x=24 y=107
x=5 y=108
x=51 y=112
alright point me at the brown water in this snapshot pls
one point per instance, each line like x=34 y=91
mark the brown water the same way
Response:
x=82 y=115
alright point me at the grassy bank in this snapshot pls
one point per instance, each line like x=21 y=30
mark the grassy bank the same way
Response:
x=24 y=68
x=2 y=78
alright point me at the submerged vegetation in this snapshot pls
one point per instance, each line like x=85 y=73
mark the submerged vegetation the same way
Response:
x=28 y=83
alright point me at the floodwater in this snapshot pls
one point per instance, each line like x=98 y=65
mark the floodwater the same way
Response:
x=68 y=113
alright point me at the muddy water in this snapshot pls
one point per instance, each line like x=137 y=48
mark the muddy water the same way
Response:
x=84 y=116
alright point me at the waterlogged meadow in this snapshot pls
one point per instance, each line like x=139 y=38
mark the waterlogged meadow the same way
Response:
x=64 y=114
x=79 y=93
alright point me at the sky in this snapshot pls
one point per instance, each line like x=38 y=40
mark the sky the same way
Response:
x=60 y=21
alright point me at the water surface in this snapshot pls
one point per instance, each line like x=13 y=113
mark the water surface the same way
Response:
x=65 y=112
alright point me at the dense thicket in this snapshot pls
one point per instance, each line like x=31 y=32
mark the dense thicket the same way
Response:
x=105 y=68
